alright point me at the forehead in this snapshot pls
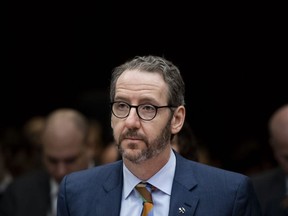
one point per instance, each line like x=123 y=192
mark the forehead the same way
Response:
x=63 y=144
x=135 y=83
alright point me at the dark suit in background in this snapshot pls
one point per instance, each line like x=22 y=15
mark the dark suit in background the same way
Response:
x=270 y=188
x=28 y=195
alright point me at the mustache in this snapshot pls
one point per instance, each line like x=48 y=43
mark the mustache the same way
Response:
x=132 y=134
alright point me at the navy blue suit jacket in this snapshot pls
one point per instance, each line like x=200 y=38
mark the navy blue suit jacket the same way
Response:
x=270 y=187
x=202 y=190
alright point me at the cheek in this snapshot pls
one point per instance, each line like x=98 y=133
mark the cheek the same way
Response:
x=117 y=129
x=153 y=130
x=115 y=122
x=283 y=161
x=112 y=123
x=75 y=166
x=49 y=166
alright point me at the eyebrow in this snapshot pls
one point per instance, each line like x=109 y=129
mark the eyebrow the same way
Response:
x=145 y=100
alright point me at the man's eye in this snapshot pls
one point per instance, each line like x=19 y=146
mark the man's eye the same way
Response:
x=52 y=160
x=148 y=108
x=70 y=160
x=122 y=106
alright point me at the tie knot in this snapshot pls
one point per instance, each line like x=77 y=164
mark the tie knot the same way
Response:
x=145 y=190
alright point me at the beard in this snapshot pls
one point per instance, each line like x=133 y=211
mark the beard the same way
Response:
x=154 y=147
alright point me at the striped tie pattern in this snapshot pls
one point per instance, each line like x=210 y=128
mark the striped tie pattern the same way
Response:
x=145 y=190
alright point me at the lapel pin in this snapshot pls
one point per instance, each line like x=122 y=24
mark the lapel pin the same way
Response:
x=182 y=210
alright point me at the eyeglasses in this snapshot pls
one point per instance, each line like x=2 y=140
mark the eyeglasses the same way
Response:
x=145 y=112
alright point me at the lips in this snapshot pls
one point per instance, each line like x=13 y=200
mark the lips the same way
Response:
x=133 y=138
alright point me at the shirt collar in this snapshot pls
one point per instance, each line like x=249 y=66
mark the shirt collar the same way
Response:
x=162 y=180
x=53 y=187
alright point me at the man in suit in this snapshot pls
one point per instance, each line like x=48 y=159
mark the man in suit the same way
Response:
x=271 y=186
x=64 y=150
x=5 y=176
x=147 y=106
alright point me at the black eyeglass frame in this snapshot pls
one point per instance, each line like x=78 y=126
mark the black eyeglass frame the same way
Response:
x=136 y=107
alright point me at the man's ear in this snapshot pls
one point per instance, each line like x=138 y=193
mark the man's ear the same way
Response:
x=178 y=119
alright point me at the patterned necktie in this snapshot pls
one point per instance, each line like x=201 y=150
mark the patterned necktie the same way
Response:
x=145 y=190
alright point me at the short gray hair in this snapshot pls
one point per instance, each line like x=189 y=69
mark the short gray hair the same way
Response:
x=154 y=64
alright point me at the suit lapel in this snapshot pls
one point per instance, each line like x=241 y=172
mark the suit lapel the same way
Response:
x=113 y=193
x=183 y=200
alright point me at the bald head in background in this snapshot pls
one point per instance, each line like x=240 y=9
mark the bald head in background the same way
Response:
x=64 y=143
x=278 y=129
x=65 y=150
x=271 y=186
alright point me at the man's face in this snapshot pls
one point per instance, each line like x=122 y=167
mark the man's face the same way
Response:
x=138 y=139
x=279 y=137
x=64 y=154
x=280 y=146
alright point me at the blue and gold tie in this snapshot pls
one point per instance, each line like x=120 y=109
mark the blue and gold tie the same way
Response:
x=145 y=190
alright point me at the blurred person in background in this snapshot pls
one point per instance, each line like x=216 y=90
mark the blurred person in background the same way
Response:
x=188 y=145
x=65 y=149
x=185 y=143
x=110 y=153
x=16 y=151
x=32 y=132
x=5 y=175
x=95 y=141
x=272 y=185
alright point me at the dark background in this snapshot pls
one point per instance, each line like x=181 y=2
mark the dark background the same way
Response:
x=234 y=65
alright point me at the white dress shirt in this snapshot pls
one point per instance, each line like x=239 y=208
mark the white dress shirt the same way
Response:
x=54 y=187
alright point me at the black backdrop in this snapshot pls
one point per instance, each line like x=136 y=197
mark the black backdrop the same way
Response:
x=235 y=69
